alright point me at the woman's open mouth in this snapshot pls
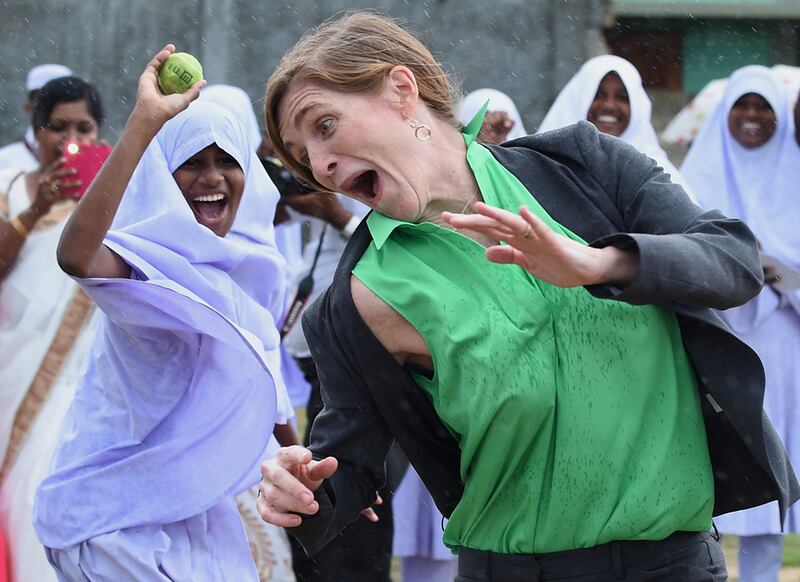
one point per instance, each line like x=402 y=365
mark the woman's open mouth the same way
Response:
x=365 y=185
x=210 y=208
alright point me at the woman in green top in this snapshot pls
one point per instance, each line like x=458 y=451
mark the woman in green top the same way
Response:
x=583 y=452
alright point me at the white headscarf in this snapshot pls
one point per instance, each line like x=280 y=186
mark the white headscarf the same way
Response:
x=183 y=381
x=572 y=105
x=237 y=102
x=498 y=101
x=154 y=215
x=758 y=185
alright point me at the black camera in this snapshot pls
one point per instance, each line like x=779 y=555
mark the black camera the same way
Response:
x=283 y=179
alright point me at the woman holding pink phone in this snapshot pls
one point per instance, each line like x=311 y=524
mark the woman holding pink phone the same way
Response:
x=46 y=322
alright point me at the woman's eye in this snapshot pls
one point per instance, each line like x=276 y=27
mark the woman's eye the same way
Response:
x=189 y=164
x=326 y=125
x=57 y=127
x=86 y=128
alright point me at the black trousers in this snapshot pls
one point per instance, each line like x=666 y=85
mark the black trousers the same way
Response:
x=363 y=550
x=682 y=557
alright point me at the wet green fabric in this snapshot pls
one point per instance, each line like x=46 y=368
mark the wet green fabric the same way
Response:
x=578 y=418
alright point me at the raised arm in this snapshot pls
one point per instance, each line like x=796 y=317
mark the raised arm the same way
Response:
x=661 y=248
x=686 y=255
x=51 y=185
x=81 y=252
x=545 y=254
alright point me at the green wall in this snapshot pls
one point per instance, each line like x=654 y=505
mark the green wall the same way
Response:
x=715 y=49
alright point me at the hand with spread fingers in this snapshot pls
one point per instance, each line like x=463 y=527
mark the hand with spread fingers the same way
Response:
x=288 y=485
x=545 y=254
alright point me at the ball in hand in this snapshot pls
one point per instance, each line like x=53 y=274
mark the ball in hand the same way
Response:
x=179 y=72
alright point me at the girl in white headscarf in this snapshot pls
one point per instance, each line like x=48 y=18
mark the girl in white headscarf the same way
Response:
x=183 y=386
x=510 y=124
x=608 y=92
x=746 y=163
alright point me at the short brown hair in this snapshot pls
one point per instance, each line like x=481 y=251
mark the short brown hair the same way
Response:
x=353 y=54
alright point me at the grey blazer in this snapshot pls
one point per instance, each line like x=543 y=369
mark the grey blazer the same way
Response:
x=610 y=194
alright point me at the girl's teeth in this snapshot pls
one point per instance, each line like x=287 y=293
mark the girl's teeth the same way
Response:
x=606 y=119
x=751 y=126
x=210 y=198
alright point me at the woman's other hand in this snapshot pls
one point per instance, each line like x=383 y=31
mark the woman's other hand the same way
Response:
x=545 y=254
x=152 y=106
x=51 y=186
x=288 y=485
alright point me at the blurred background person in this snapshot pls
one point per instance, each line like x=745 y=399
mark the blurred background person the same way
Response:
x=502 y=122
x=745 y=162
x=46 y=322
x=23 y=155
x=607 y=91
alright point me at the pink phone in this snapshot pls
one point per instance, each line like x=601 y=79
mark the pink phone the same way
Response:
x=87 y=159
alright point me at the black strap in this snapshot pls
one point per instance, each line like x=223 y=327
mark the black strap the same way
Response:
x=304 y=289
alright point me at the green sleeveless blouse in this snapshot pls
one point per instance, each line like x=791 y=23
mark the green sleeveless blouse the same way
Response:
x=578 y=419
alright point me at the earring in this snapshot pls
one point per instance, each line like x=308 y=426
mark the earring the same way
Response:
x=421 y=131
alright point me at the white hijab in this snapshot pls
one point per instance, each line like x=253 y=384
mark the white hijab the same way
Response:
x=759 y=185
x=498 y=101
x=237 y=102
x=572 y=105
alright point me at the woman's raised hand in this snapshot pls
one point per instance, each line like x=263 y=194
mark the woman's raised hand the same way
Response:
x=288 y=485
x=152 y=106
x=545 y=254
x=53 y=184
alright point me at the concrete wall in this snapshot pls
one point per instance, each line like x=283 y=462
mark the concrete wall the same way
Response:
x=527 y=48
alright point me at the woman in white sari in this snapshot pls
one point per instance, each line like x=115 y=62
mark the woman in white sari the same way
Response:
x=46 y=322
x=607 y=91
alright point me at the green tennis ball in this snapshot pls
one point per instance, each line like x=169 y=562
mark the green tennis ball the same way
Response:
x=179 y=72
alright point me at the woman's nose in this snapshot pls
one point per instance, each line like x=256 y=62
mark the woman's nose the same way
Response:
x=72 y=134
x=323 y=167
x=609 y=103
x=212 y=175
